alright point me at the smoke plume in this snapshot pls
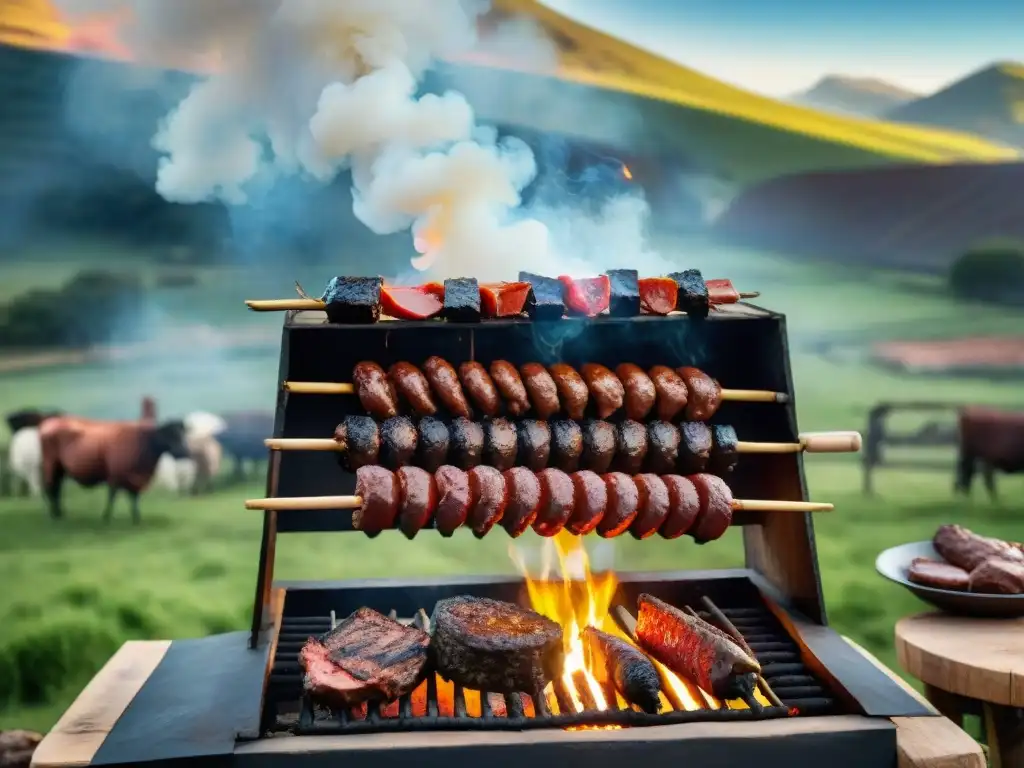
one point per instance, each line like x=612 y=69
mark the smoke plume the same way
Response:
x=314 y=87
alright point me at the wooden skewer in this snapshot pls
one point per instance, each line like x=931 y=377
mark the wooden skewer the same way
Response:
x=815 y=442
x=339 y=388
x=291 y=503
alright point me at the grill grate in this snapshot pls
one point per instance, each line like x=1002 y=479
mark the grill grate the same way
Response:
x=288 y=710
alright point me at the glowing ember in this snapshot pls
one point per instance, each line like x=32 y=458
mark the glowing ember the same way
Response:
x=626 y=173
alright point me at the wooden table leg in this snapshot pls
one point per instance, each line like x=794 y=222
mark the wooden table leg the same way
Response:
x=948 y=704
x=1004 y=731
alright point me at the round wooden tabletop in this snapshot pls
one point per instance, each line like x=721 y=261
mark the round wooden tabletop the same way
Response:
x=981 y=659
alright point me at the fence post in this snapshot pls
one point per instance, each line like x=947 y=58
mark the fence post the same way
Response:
x=874 y=438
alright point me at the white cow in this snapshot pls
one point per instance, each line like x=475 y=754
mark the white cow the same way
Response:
x=25 y=457
x=205 y=453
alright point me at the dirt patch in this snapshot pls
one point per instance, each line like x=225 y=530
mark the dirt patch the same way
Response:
x=979 y=352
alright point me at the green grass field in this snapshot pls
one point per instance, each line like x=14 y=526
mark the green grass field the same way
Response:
x=75 y=591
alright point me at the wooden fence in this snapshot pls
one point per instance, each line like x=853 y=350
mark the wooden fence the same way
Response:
x=934 y=433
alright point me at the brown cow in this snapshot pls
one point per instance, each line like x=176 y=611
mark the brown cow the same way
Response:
x=990 y=440
x=121 y=454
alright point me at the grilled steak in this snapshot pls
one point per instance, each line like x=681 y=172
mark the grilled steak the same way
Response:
x=998 y=577
x=932 y=573
x=968 y=550
x=367 y=657
x=489 y=645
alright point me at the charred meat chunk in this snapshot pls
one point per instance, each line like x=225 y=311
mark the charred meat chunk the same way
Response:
x=557 y=500
x=997 y=576
x=545 y=300
x=724 y=449
x=444 y=381
x=376 y=392
x=413 y=388
x=489 y=645
x=662 y=447
x=683 y=506
x=489 y=497
x=715 y=508
x=625 y=292
x=378 y=489
x=461 y=300
x=641 y=393
x=566 y=445
x=477 y=382
x=630 y=446
x=432 y=446
x=417 y=498
x=453 y=499
x=524 y=496
x=704 y=394
x=500 y=444
x=694 y=447
x=590 y=499
x=692 y=298
x=367 y=657
x=541 y=388
x=572 y=390
x=361 y=439
x=671 y=392
x=632 y=674
x=598 y=445
x=695 y=650
x=966 y=549
x=623 y=504
x=932 y=573
x=465 y=443
x=400 y=439
x=353 y=299
x=653 y=506
x=534 y=444
x=510 y=385
x=605 y=389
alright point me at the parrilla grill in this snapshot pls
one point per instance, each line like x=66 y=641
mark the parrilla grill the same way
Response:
x=803 y=689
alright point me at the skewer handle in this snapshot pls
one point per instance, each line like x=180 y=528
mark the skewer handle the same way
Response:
x=810 y=442
x=283 y=305
x=288 y=503
x=303 y=444
x=754 y=396
x=778 y=505
x=318 y=388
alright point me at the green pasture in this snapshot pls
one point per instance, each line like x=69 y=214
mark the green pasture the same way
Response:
x=76 y=590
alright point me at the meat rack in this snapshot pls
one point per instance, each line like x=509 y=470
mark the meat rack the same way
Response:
x=212 y=701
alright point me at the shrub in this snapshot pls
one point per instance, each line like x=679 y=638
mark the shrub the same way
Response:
x=993 y=272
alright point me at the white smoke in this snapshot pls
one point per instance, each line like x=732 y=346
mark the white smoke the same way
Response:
x=317 y=86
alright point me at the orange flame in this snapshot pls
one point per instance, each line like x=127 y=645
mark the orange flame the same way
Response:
x=626 y=173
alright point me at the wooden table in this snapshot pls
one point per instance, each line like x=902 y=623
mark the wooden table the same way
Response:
x=971 y=666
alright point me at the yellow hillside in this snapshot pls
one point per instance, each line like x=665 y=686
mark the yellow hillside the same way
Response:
x=594 y=58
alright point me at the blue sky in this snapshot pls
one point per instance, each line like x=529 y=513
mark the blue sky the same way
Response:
x=781 y=46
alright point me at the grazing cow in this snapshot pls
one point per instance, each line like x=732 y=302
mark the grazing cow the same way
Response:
x=25 y=457
x=243 y=438
x=990 y=440
x=194 y=474
x=121 y=454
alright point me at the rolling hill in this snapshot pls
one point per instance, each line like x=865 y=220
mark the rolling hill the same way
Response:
x=989 y=103
x=864 y=96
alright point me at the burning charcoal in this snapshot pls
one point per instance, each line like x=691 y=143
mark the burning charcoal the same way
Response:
x=625 y=300
x=432 y=446
x=723 y=449
x=694 y=447
x=462 y=300
x=693 y=296
x=353 y=299
x=545 y=299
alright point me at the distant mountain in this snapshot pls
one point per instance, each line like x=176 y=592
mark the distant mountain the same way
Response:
x=988 y=103
x=864 y=96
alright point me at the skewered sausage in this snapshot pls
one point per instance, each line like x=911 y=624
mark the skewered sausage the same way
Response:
x=444 y=382
x=572 y=390
x=524 y=498
x=417 y=499
x=630 y=446
x=715 y=508
x=477 y=383
x=724 y=450
x=465 y=443
x=361 y=439
x=453 y=499
x=542 y=390
x=432 y=445
x=623 y=501
x=683 y=506
x=500 y=443
x=598 y=446
x=378 y=489
x=662 y=447
x=704 y=394
x=534 y=444
x=632 y=674
x=671 y=399
x=694 y=447
x=376 y=392
x=653 y=506
x=606 y=390
x=510 y=385
x=413 y=388
x=557 y=496
x=487 y=489
x=566 y=445
x=399 y=439
x=640 y=393
x=589 y=503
